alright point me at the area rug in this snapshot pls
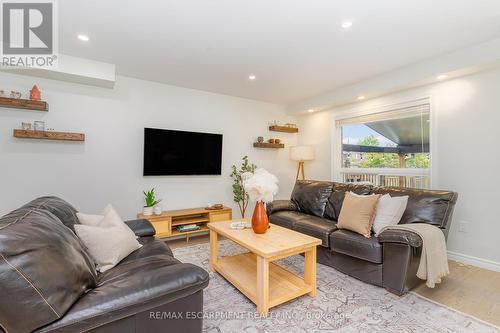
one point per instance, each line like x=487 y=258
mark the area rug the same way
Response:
x=342 y=304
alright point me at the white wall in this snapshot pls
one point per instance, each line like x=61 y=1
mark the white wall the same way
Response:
x=315 y=130
x=465 y=127
x=107 y=168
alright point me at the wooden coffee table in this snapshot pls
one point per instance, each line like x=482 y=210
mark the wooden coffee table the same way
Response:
x=255 y=274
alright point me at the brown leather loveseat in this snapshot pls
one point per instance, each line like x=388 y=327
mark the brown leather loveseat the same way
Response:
x=48 y=282
x=389 y=260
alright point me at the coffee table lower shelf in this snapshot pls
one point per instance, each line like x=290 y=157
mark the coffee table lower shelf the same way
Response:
x=241 y=271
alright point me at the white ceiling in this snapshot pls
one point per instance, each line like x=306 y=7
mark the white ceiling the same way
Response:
x=296 y=48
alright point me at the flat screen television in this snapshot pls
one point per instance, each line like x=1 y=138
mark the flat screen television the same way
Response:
x=177 y=153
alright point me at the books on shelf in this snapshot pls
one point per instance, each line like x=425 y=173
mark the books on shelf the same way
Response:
x=188 y=227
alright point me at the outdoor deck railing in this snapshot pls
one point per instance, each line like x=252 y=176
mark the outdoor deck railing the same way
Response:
x=414 y=178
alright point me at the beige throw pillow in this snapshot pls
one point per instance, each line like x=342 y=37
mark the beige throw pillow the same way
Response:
x=109 y=218
x=358 y=212
x=107 y=238
x=107 y=246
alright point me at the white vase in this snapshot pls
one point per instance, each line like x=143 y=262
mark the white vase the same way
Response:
x=157 y=210
x=147 y=211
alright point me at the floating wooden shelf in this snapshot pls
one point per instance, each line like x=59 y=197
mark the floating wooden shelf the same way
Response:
x=284 y=129
x=48 y=135
x=268 y=145
x=26 y=104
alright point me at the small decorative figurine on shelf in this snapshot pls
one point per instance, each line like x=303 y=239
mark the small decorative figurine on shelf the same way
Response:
x=26 y=126
x=15 y=94
x=39 y=126
x=35 y=94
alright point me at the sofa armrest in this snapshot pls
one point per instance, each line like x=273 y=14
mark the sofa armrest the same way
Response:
x=141 y=228
x=400 y=266
x=280 y=205
x=401 y=237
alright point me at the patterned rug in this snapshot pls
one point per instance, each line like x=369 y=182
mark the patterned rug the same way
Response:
x=342 y=304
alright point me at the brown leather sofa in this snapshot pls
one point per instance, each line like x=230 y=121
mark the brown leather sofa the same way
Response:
x=48 y=282
x=389 y=260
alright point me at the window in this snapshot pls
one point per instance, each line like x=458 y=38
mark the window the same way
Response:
x=390 y=148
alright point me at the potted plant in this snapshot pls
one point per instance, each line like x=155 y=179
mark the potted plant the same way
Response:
x=261 y=187
x=150 y=201
x=239 y=194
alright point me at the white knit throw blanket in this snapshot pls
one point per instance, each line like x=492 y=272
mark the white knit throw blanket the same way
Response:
x=434 y=260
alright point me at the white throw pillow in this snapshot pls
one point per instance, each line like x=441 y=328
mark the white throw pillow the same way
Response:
x=89 y=219
x=389 y=211
x=110 y=218
x=107 y=245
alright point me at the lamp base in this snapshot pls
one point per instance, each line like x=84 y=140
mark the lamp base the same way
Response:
x=300 y=170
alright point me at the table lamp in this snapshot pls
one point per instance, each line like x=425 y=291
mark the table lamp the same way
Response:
x=301 y=154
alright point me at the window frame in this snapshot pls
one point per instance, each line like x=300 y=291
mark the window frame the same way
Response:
x=358 y=111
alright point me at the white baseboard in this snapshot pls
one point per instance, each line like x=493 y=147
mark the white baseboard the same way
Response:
x=474 y=261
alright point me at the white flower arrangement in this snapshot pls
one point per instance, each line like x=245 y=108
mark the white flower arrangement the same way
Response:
x=261 y=185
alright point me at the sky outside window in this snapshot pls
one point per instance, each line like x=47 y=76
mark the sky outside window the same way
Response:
x=353 y=134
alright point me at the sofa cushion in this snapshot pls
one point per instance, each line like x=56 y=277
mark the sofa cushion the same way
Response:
x=280 y=205
x=287 y=218
x=316 y=227
x=355 y=245
x=311 y=197
x=424 y=206
x=43 y=269
x=336 y=199
x=57 y=206
x=130 y=288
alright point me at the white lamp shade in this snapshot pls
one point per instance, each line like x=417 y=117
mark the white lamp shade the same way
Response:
x=302 y=153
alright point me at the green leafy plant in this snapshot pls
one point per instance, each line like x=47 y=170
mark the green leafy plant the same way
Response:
x=150 y=198
x=237 y=174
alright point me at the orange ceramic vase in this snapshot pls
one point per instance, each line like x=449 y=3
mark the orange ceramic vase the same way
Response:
x=260 y=223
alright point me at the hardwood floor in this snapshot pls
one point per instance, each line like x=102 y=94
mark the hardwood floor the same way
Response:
x=468 y=289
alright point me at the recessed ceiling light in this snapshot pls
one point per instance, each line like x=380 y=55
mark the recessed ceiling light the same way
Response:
x=84 y=38
x=360 y=98
x=252 y=77
x=346 y=24
x=442 y=77
x=310 y=110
